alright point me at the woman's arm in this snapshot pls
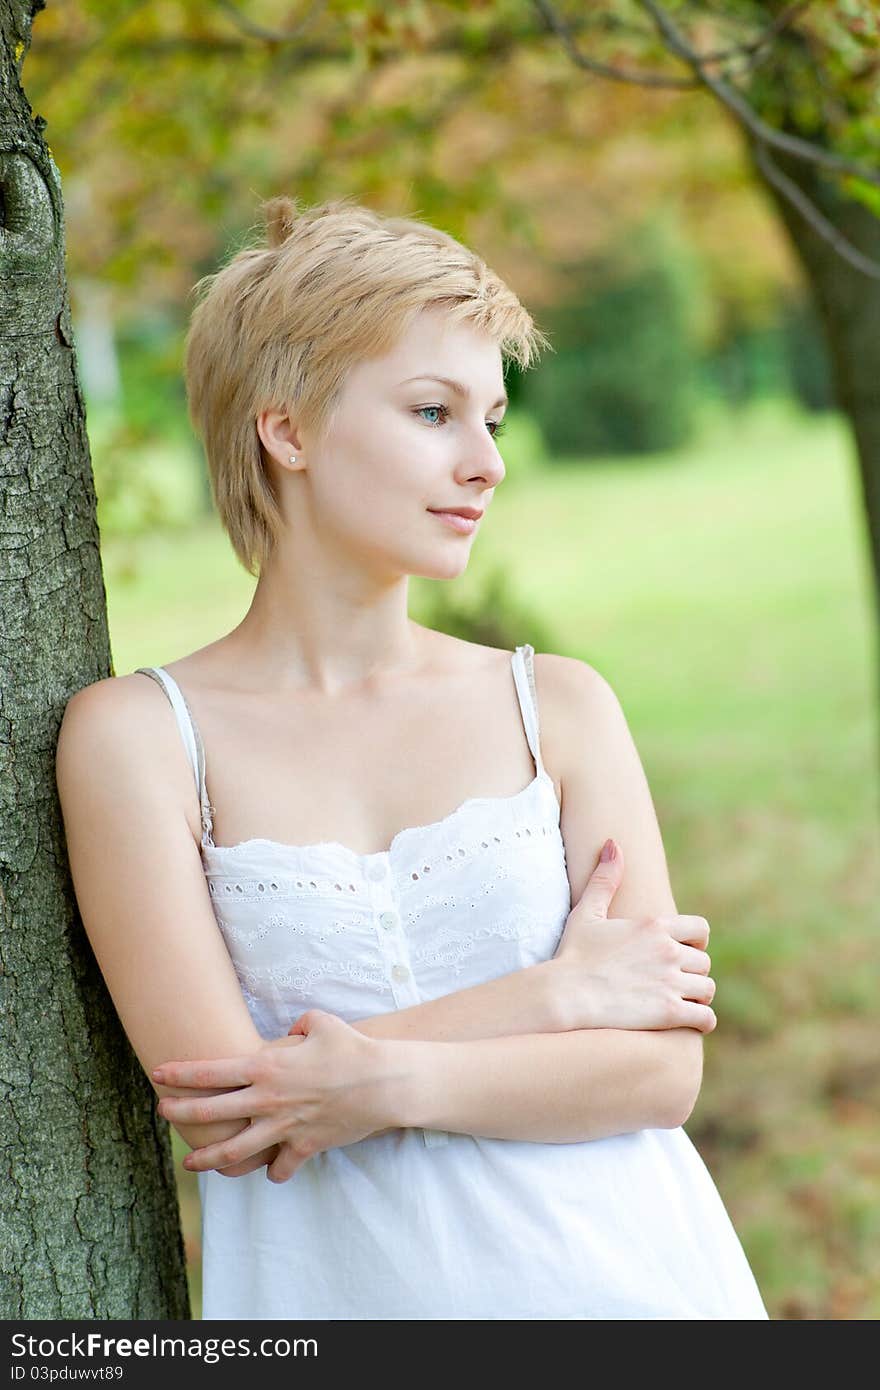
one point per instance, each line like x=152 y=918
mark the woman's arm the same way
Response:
x=559 y=1086
x=531 y=1000
x=605 y=794
x=122 y=778
x=327 y=1091
x=552 y=1088
x=583 y=1083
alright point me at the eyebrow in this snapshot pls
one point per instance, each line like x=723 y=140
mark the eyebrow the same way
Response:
x=456 y=386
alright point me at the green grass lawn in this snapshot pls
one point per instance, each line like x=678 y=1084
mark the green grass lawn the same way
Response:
x=725 y=594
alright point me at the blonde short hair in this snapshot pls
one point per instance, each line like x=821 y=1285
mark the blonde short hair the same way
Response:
x=282 y=323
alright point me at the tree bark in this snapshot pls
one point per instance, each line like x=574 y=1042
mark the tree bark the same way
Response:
x=801 y=92
x=91 y=1226
x=848 y=302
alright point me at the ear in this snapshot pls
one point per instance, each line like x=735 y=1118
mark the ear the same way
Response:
x=278 y=436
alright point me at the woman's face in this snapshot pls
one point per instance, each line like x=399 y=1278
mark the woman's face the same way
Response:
x=400 y=447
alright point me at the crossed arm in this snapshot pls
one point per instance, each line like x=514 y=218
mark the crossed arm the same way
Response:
x=550 y=1086
x=497 y=1060
x=500 y=1059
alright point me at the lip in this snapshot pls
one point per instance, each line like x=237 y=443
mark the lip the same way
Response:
x=473 y=513
x=463 y=519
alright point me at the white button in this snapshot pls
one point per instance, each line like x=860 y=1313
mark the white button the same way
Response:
x=376 y=871
x=400 y=972
x=388 y=919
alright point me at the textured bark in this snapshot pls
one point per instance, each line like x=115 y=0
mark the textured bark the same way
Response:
x=91 y=1226
x=794 y=81
x=849 y=305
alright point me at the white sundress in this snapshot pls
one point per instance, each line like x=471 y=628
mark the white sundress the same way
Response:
x=425 y=1224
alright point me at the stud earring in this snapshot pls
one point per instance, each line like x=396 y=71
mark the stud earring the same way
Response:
x=293 y=458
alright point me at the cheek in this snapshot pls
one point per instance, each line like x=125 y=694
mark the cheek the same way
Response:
x=370 y=491
x=398 y=468
x=390 y=462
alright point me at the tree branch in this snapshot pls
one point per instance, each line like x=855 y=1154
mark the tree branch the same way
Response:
x=642 y=79
x=761 y=135
x=811 y=214
x=743 y=113
x=259 y=31
x=749 y=47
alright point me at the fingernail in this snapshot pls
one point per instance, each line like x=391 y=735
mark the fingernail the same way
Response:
x=608 y=851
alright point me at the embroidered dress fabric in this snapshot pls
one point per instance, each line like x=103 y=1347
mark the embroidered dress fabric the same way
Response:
x=424 y=1224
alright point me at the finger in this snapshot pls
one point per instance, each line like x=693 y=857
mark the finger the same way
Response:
x=288 y=1040
x=234 y=1105
x=699 y=1016
x=235 y=1150
x=302 y=1023
x=697 y=961
x=686 y=927
x=604 y=881
x=699 y=987
x=250 y=1165
x=312 y=1019
x=285 y=1165
x=222 y=1071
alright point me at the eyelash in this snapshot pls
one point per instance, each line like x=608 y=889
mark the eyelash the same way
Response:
x=499 y=424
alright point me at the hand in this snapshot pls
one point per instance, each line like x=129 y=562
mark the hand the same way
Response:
x=323 y=1086
x=643 y=972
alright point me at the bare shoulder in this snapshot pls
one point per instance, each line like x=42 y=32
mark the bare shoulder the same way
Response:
x=123 y=728
x=573 y=697
x=117 y=710
x=140 y=885
x=569 y=678
x=605 y=791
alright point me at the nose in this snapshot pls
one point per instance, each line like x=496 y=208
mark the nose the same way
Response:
x=490 y=467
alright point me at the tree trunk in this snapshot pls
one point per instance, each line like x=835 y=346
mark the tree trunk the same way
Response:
x=848 y=302
x=793 y=83
x=91 y=1226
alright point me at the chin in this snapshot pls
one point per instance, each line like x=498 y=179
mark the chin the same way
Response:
x=448 y=566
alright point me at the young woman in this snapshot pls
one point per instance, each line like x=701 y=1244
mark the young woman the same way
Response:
x=377 y=963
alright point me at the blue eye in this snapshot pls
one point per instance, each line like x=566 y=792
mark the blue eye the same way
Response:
x=499 y=425
x=442 y=408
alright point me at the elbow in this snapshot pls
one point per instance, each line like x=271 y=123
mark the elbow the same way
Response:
x=681 y=1106
x=194 y=1136
x=682 y=1077
x=200 y=1136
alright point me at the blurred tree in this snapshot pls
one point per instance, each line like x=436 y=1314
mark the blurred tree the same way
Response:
x=806 y=354
x=623 y=374
x=88 y=1194
x=801 y=82
x=479 y=115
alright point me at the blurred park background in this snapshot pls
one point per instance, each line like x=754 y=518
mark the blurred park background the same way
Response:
x=681 y=508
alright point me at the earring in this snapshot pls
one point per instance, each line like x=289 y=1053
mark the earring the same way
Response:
x=293 y=458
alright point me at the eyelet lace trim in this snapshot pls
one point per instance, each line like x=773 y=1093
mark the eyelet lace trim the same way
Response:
x=223 y=886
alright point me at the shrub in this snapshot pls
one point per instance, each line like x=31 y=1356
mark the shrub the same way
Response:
x=623 y=374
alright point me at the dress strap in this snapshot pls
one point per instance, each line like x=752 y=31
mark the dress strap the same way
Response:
x=524 y=676
x=192 y=740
